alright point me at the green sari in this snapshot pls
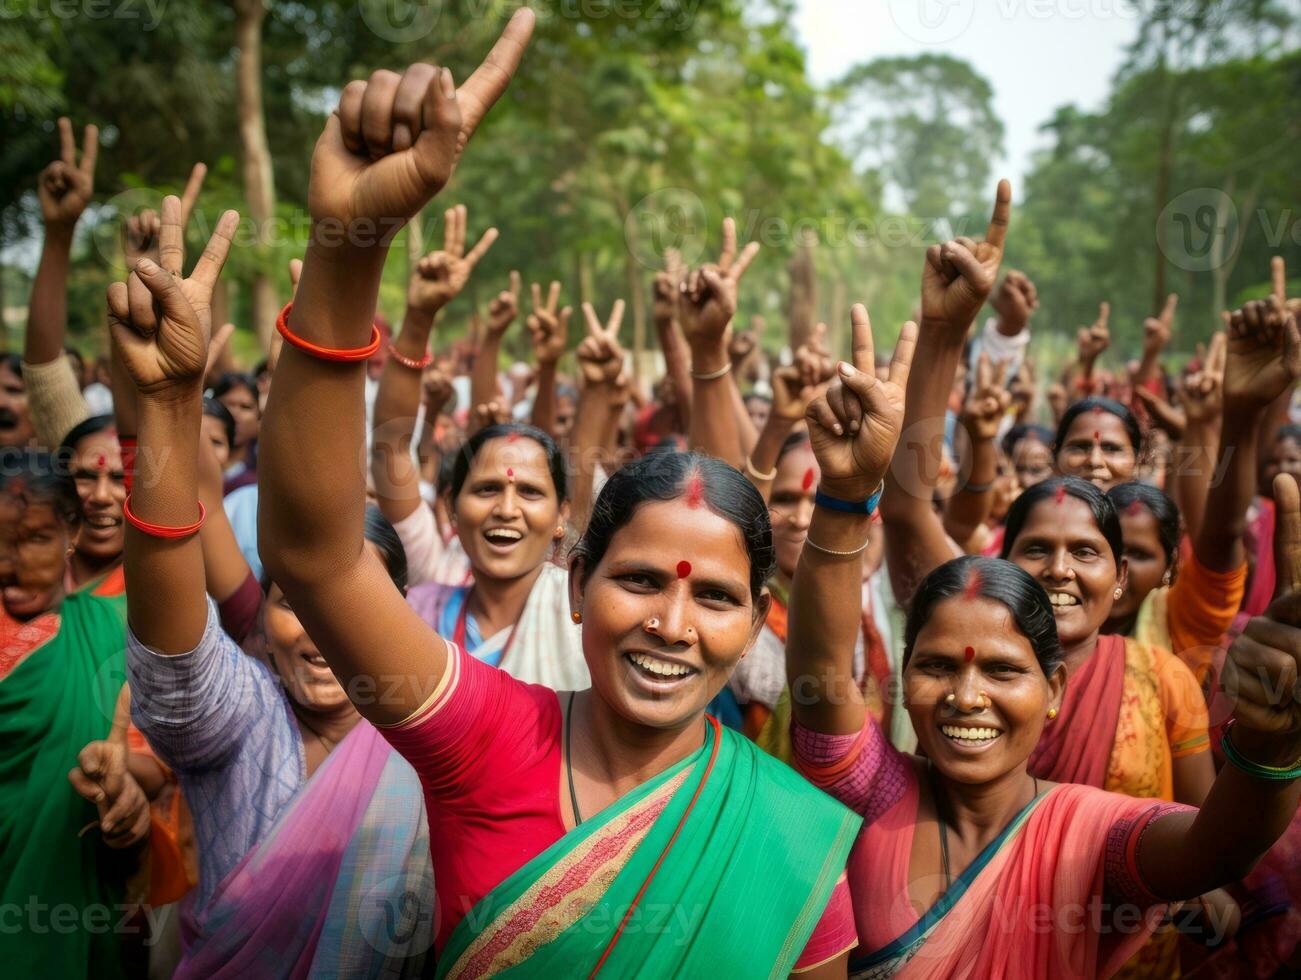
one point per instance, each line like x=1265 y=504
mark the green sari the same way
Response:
x=58 y=903
x=722 y=864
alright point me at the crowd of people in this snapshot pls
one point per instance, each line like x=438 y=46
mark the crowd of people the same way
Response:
x=379 y=661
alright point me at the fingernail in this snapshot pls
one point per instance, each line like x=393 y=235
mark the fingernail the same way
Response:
x=99 y=797
x=144 y=265
x=838 y=429
x=846 y=370
x=105 y=826
x=449 y=86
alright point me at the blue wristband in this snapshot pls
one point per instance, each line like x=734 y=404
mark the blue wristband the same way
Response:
x=867 y=506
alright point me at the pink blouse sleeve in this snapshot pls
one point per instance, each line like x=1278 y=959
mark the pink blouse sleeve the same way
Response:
x=835 y=932
x=479 y=722
x=864 y=771
x=1124 y=881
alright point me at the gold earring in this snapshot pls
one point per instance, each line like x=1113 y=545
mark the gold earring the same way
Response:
x=576 y=616
x=1052 y=713
x=950 y=699
x=1118 y=593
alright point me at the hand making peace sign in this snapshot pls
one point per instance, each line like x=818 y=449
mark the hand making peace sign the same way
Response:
x=707 y=297
x=440 y=276
x=548 y=327
x=65 y=186
x=599 y=355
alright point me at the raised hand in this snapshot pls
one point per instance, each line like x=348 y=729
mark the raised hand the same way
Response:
x=440 y=276
x=1202 y=392
x=502 y=311
x=791 y=397
x=101 y=777
x=495 y=412
x=140 y=231
x=1015 y=301
x=161 y=324
x=436 y=390
x=987 y=400
x=741 y=346
x=1264 y=347
x=394 y=140
x=708 y=295
x=1171 y=419
x=664 y=304
x=854 y=427
x=65 y=186
x=1263 y=663
x=1158 y=329
x=957 y=276
x=1091 y=341
x=812 y=361
x=600 y=358
x=548 y=327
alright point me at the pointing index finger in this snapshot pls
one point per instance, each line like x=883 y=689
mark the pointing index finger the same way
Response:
x=481 y=90
x=191 y=193
x=67 y=149
x=1278 y=275
x=996 y=234
x=728 y=253
x=863 y=348
x=901 y=363
x=89 y=150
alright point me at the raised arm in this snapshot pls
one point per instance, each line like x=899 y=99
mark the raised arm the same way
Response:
x=161 y=327
x=1255 y=795
x=600 y=359
x=956 y=280
x=483 y=377
x=793 y=390
x=391 y=145
x=853 y=430
x=664 y=311
x=549 y=332
x=64 y=189
x=1157 y=331
x=1090 y=342
x=438 y=279
x=706 y=305
x=986 y=404
x=1201 y=397
x=1264 y=362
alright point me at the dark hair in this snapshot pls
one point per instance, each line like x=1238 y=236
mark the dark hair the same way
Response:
x=39 y=477
x=555 y=458
x=1104 y=513
x=793 y=442
x=1288 y=431
x=1126 y=495
x=261 y=367
x=757 y=396
x=234 y=379
x=443 y=480
x=1022 y=431
x=667 y=476
x=1107 y=405
x=216 y=410
x=382 y=534
x=86 y=427
x=1004 y=583
x=13 y=362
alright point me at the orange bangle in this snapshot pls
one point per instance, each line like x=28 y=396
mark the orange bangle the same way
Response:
x=161 y=530
x=410 y=362
x=351 y=355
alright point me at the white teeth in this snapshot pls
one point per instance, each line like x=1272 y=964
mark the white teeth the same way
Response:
x=102 y=521
x=1062 y=599
x=661 y=667
x=503 y=534
x=970 y=734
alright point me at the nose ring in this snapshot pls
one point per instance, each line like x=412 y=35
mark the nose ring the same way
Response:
x=950 y=699
x=985 y=700
x=652 y=625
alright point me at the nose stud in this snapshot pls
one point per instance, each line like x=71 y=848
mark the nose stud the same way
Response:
x=950 y=699
x=652 y=625
x=985 y=701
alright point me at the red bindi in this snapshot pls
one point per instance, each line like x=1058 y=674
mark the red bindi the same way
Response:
x=808 y=478
x=510 y=473
x=1097 y=437
x=101 y=462
x=969 y=654
x=684 y=569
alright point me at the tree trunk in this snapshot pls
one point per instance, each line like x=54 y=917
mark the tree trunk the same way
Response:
x=642 y=366
x=259 y=185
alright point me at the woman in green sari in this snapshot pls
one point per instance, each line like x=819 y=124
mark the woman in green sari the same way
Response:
x=65 y=850
x=616 y=829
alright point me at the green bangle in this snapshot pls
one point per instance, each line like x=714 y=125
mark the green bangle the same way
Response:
x=1236 y=759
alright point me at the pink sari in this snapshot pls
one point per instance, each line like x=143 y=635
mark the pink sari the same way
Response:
x=1076 y=746
x=1030 y=906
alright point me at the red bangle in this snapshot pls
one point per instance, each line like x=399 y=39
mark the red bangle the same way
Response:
x=326 y=353
x=158 y=530
x=411 y=363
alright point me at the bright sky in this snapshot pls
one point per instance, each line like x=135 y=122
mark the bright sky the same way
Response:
x=1037 y=54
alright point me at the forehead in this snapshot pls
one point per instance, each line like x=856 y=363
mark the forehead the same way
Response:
x=1072 y=518
x=238 y=394
x=982 y=624
x=1030 y=450
x=89 y=449
x=38 y=517
x=1107 y=426
x=521 y=454
x=796 y=463
x=665 y=532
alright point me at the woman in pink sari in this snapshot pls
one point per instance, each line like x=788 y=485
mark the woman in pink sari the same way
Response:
x=967 y=865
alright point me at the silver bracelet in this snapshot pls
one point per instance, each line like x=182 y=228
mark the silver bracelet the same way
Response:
x=713 y=375
x=838 y=554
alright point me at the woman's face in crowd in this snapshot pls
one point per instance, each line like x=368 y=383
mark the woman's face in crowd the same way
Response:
x=96 y=466
x=1284 y=457
x=1061 y=546
x=1144 y=557
x=1033 y=462
x=215 y=432
x=1097 y=448
x=667 y=613
x=34 y=546
x=507 y=514
x=758 y=409
x=970 y=647
x=563 y=420
x=791 y=506
x=307 y=678
x=15 y=426
x=243 y=405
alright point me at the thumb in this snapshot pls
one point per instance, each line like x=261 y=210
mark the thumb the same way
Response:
x=1287 y=549
x=165 y=289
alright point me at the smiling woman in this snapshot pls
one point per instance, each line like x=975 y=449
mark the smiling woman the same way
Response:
x=1098 y=440
x=94 y=458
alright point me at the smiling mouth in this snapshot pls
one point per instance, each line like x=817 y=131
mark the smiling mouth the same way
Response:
x=315 y=660
x=103 y=522
x=1062 y=600
x=969 y=735
x=657 y=670
x=503 y=537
